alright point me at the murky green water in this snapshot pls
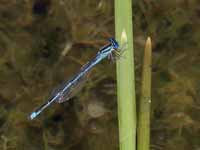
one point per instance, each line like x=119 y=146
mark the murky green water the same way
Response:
x=43 y=43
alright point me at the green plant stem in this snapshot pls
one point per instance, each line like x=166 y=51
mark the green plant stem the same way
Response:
x=143 y=135
x=125 y=76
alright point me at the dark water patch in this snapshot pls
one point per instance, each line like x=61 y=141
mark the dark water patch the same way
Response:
x=185 y=32
x=57 y=118
x=162 y=45
x=3 y=115
x=198 y=12
x=41 y=7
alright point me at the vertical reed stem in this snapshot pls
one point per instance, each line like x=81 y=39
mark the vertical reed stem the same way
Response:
x=125 y=76
x=143 y=135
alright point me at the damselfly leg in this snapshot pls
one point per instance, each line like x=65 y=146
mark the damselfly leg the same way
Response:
x=117 y=54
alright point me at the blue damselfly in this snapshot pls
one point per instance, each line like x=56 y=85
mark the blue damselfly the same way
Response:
x=67 y=89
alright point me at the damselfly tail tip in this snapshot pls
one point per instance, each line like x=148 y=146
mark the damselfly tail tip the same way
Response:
x=32 y=115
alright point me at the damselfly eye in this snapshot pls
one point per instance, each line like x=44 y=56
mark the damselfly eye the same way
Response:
x=114 y=43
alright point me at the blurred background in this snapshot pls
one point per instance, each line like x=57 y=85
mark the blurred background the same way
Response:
x=45 y=42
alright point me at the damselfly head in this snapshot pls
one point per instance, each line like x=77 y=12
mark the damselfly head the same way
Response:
x=114 y=43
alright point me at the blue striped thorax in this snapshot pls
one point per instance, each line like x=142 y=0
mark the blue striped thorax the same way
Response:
x=108 y=49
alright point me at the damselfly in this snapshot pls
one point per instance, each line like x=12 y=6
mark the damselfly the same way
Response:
x=67 y=90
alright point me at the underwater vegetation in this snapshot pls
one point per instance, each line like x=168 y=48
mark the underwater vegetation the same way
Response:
x=44 y=42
